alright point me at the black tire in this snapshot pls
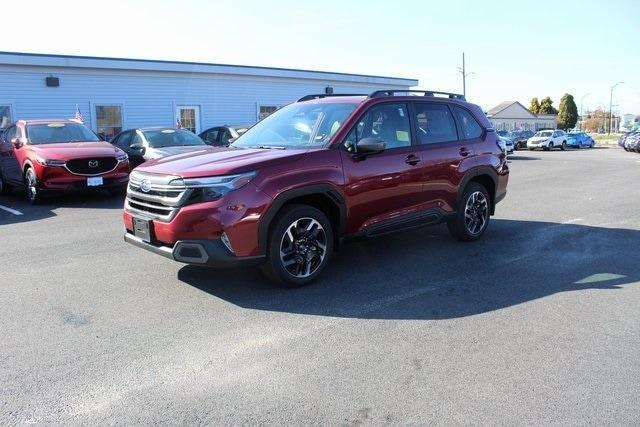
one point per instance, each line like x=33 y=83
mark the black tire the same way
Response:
x=305 y=247
x=563 y=147
x=459 y=227
x=34 y=194
x=4 y=187
x=531 y=149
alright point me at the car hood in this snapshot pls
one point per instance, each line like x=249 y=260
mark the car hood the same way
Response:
x=155 y=153
x=218 y=161
x=72 y=150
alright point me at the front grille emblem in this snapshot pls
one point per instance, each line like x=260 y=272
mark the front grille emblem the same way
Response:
x=93 y=163
x=145 y=185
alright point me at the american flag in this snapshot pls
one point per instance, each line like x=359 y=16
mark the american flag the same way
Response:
x=78 y=115
x=178 y=123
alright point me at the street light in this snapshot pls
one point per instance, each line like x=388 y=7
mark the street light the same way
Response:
x=581 y=117
x=611 y=105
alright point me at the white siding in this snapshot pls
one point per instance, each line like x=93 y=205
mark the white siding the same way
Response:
x=149 y=97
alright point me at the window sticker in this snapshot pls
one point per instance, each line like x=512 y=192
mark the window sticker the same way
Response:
x=402 y=135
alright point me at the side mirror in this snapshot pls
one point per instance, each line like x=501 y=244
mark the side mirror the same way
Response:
x=19 y=142
x=370 y=145
x=230 y=140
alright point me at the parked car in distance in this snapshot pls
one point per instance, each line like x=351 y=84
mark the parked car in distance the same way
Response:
x=144 y=144
x=627 y=138
x=222 y=136
x=632 y=142
x=580 y=140
x=506 y=144
x=297 y=184
x=46 y=156
x=548 y=140
x=520 y=137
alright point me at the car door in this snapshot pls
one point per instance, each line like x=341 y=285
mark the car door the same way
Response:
x=442 y=150
x=9 y=163
x=382 y=189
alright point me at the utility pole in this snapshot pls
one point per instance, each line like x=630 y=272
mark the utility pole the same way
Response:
x=581 y=101
x=611 y=105
x=464 y=73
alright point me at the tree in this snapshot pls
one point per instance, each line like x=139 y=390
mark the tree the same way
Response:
x=546 y=106
x=534 y=106
x=567 y=112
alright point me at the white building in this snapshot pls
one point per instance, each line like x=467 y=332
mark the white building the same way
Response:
x=511 y=115
x=115 y=93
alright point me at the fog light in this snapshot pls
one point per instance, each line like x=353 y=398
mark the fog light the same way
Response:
x=227 y=243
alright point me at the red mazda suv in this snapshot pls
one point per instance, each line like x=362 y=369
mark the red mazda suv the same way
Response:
x=288 y=192
x=47 y=156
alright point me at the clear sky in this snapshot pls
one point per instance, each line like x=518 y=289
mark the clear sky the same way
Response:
x=516 y=49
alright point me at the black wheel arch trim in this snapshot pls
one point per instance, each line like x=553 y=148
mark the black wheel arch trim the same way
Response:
x=475 y=172
x=328 y=190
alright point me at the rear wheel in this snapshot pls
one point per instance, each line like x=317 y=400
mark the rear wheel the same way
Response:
x=4 y=187
x=300 y=246
x=472 y=218
x=31 y=183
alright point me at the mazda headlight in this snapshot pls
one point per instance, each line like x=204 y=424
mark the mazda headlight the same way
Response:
x=122 y=157
x=212 y=188
x=50 y=162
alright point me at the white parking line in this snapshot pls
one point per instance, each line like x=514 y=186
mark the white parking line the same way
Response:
x=13 y=211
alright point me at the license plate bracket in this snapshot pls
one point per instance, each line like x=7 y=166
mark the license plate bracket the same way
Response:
x=142 y=229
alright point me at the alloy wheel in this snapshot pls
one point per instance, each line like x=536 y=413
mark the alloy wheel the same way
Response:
x=476 y=213
x=303 y=247
x=32 y=189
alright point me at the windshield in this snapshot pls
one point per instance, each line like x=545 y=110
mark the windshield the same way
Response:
x=297 y=126
x=55 y=133
x=545 y=134
x=159 y=138
x=503 y=132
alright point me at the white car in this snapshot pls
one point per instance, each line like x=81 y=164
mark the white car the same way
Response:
x=547 y=140
x=505 y=144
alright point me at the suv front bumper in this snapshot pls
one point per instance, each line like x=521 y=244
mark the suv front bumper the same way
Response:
x=211 y=253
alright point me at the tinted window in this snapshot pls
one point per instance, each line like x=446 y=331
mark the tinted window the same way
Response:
x=211 y=135
x=9 y=134
x=388 y=122
x=468 y=124
x=435 y=124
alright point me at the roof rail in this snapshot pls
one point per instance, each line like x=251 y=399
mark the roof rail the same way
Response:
x=379 y=93
x=325 y=95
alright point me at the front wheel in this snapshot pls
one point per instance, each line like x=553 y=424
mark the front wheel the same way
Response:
x=472 y=218
x=563 y=147
x=31 y=183
x=300 y=246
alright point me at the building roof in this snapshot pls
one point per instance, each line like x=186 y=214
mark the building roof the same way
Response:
x=500 y=107
x=72 y=61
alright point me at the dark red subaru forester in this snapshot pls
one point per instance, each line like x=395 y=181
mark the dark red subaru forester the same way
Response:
x=290 y=190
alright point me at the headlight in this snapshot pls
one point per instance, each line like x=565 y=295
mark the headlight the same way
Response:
x=50 y=162
x=122 y=157
x=212 y=188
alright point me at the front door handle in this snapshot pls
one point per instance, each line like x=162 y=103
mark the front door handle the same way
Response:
x=412 y=160
x=464 y=151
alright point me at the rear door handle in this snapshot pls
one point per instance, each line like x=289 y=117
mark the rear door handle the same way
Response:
x=412 y=160
x=464 y=151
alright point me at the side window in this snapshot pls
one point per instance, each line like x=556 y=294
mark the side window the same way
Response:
x=212 y=135
x=435 y=123
x=226 y=136
x=124 y=140
x=388 y=122
x=135 y=138
x=468 y=124
x=9 y=134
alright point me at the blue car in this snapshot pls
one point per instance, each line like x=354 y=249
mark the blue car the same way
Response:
x=579 y=140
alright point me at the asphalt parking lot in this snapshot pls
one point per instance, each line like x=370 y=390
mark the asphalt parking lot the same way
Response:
x=535 y=324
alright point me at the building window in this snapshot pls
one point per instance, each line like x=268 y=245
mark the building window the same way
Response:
x=108 y=121
x=265 y=111
x=5 y=116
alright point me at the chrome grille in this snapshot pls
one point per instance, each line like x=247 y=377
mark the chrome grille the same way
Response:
x=162 y=200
